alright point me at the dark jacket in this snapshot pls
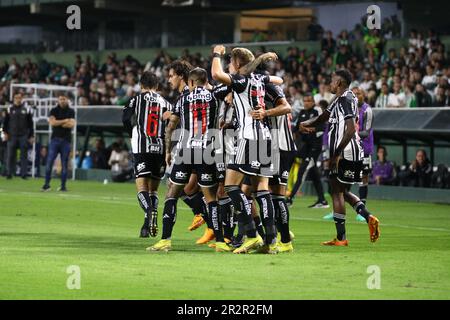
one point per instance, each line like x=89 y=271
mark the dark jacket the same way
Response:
x=19 y=121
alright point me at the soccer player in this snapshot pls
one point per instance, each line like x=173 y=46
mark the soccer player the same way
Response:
x=284 y=141
x=62 y=120
x=253 y=152
x=365 y=132
x=192 y=195
x=196 y=112
x=309 y=151
x=345 y=156
x=143 y=119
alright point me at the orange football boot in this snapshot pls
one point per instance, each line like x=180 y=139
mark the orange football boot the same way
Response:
x=336 y=242
x=196 y=222
x=207 y=237
x=374 y=228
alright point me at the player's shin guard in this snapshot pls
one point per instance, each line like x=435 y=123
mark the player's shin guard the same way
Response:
x=267 y=213
x=226 y=215
x=256 y=219
x=216 y=221
x=363 y=191
x=360 y=209
x=146 y=205
x=339 y=221
x=281 y=217
x=169 y=217
x=241 y=204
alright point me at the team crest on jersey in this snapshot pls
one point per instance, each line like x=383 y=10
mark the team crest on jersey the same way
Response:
x=206 y=177
x=256 y=164
x=220 y=166
x=140 y=166
x=180 y=175
x=349 y=174
x=285 y=174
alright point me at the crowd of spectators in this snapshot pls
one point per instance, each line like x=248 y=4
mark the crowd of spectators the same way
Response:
x=416 y=75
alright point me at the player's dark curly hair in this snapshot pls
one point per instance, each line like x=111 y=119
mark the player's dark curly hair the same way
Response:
x=149 y=80
x=345 y=75
x=181 y=68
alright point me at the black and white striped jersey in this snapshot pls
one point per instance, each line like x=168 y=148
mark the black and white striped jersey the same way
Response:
x=198 y=113
x=343 y=108
x=282 y=137
x=248 y=95
x=143 y=119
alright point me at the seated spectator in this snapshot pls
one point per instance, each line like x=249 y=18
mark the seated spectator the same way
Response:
x=423 y=98
x=100 y=155
x=120 y=164
x=396 y=99
x=382 y=100
x=328 y=43
x=429 y=81
x=410 y=97
x=441 y=99
x=418 y=173
x=383 y=172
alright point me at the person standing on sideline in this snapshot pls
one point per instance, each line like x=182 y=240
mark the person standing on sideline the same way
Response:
x=62 y=120
x=18 y=130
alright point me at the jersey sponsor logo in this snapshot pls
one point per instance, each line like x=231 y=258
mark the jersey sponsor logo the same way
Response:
x=181 y=175
x=150 y=98
x=349 y=174
x=255 y=164
x=199 y=96
x=206 y=177
x=220 y=166
x=140 y=166
x=155 y=148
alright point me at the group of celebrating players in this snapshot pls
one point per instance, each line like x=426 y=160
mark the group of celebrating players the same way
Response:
x=227 y=146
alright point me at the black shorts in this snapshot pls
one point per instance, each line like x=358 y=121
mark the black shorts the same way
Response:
x=206 y=174
x=285 y=160
x=149 y=165
x=253 y=157
x=348 y=172
x=309 y=151
x=367 y=165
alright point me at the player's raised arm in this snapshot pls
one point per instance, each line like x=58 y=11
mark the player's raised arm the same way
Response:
x=216 y=69
x=251 y=66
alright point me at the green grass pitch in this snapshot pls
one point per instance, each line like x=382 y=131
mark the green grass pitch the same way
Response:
x=96 y=227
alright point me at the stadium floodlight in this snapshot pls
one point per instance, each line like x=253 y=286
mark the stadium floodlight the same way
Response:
x=177 y=3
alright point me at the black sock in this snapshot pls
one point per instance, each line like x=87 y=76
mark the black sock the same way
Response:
x=146 y=205
x=339 y=221
x=256 y=219
x=216 y=221
x=187 y=200
x=282 y=217
x=206 y=216
x=360 y=209
x=259 y=226
x=169 y=217
x=226 y=215
x=241 y=204
x=363 y=191
x=154 y=200
x=267 y=214
x=197 y=203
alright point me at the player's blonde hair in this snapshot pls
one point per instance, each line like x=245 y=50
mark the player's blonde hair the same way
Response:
x=242 y=56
